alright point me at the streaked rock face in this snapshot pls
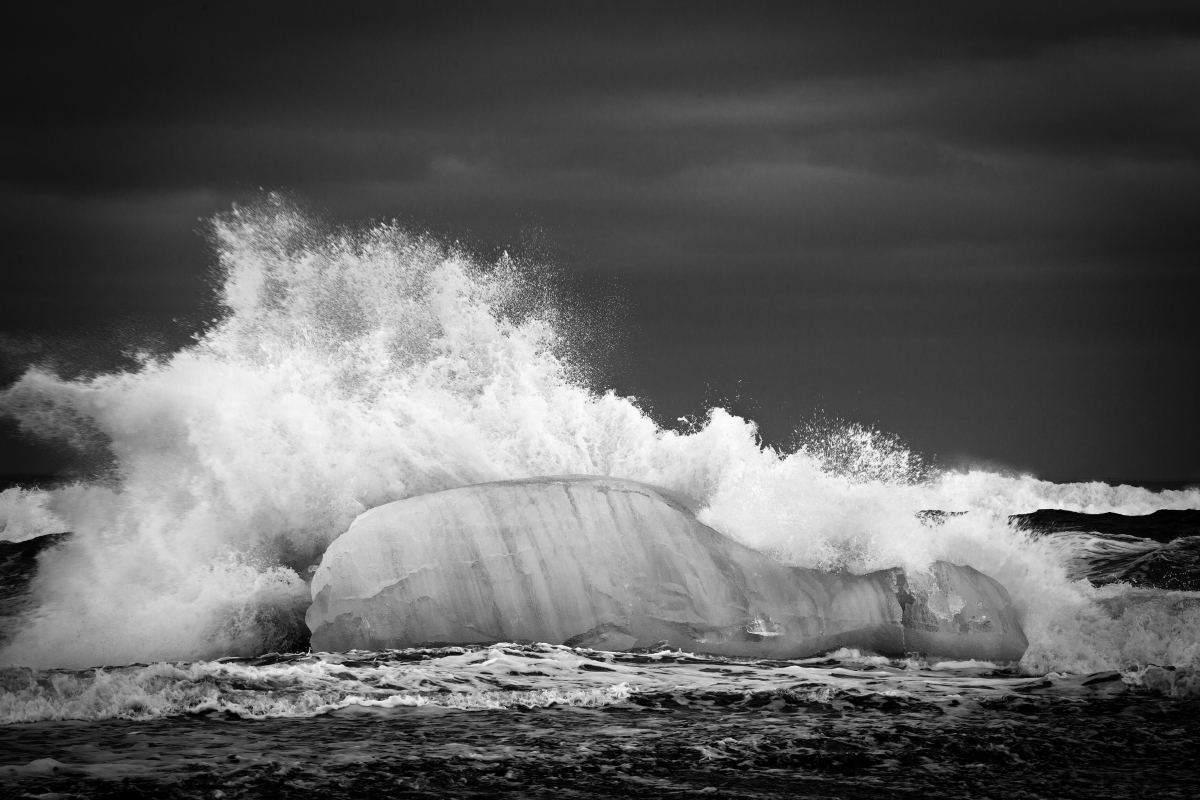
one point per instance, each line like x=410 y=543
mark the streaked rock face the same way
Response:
x=614 y=565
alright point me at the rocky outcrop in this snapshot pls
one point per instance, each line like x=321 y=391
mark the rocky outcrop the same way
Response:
x=615 y=564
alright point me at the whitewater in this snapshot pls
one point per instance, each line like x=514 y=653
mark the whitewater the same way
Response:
x=355 y=366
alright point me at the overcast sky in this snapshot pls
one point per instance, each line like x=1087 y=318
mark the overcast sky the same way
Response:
x=978 y=230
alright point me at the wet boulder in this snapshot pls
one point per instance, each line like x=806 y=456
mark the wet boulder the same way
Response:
x=616 y=565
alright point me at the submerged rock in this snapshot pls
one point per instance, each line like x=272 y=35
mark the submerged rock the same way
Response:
x=616 y=565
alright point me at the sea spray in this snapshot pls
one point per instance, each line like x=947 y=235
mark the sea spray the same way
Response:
x=24 y=514
x=353 y=367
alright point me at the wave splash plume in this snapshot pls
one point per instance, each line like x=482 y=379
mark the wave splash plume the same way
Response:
x=354 y=367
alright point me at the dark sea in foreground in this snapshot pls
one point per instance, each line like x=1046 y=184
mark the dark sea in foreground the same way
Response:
x=848 y=726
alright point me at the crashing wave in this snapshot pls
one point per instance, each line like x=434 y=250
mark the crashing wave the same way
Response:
x=355 y=367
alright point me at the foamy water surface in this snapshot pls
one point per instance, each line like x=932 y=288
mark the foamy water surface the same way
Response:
x=512 y=676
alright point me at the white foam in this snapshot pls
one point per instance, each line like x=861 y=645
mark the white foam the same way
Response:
x=26 y=513
x=508 y=676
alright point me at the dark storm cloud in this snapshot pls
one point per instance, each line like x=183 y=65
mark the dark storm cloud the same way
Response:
x=857 y=192
x=610 y=91
x=587 y=116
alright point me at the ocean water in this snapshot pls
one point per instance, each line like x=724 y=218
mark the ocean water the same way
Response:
x=151 y=616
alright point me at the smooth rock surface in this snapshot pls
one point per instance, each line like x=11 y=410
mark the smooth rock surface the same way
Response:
x=614 y=565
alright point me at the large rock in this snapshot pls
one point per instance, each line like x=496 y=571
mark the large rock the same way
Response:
x=615 y=564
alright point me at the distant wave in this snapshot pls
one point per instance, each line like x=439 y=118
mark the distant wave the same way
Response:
x=1163 y=525
x=1160 y=549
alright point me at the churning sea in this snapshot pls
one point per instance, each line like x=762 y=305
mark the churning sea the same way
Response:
x=152 y=639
